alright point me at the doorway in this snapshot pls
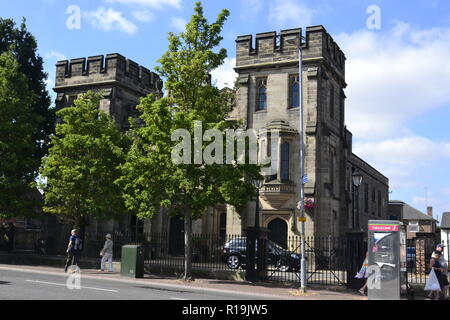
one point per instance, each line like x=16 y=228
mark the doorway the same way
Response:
x=278 y=232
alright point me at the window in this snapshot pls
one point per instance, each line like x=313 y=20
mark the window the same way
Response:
x=413 y=226
x=285 y=162
x=294 y=85
x=261 y=94
x=379 y=203
x=71 y=100
x=366 y=197
x=332 y=102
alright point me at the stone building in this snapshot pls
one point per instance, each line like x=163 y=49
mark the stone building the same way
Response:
x=122 y=82
x=267 y=98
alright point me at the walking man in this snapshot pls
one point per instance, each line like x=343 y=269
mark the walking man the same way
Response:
x=73 y=250
x=107 y=254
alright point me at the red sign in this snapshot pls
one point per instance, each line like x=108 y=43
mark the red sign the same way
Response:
x=383 y=227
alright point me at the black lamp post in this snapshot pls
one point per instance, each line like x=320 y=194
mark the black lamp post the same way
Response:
x=357 y=181
x=257 y=183
x=253 y=234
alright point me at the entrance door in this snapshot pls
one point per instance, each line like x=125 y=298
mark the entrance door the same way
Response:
x=176 y=236
x=278 y=232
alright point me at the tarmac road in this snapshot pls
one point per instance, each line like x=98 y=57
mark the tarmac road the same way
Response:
x=29 y=285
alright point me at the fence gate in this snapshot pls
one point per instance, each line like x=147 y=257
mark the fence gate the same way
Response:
x=355 y=255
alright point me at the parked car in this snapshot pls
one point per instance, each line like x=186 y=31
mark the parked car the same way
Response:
x=235 y=255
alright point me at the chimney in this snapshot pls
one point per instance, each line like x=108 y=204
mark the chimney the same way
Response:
x=430 y=211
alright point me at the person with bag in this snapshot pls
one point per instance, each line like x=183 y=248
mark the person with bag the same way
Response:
x=362 y=274
x=434 y=282
x=73 y=250
x=107 y=254
x=443 y=262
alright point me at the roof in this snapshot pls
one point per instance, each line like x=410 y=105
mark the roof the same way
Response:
x=445 y=223
x=410 y=213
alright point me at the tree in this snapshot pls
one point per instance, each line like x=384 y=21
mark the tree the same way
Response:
x=17 y=160
x=83 y=163
x=151 y=179
x=24 y=47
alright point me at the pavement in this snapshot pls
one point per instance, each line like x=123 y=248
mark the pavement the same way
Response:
x=198 y=289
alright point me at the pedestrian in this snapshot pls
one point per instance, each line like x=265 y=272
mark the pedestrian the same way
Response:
x=73 y=250
x=438 y=270
x=107 y=254
x=11 y=231
x=362 y=274
x=444 y=263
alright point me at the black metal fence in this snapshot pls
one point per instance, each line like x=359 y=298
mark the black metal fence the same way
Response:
x=325 y=260
x=211 y=253
x=418 y=256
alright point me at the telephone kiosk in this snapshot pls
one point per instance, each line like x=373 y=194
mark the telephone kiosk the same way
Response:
x=387 y=260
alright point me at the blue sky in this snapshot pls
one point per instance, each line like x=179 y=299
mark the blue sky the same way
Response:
x=398 y=75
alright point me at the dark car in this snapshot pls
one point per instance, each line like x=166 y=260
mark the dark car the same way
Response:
x=235 y=255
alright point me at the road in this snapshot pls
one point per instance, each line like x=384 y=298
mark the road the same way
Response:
x=18 y=284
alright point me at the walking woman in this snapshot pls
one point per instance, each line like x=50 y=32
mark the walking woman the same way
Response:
x=107 y=254
x=362 y=274
x=437 y=266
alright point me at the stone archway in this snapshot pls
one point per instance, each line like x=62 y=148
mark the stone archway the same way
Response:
x=278 y=232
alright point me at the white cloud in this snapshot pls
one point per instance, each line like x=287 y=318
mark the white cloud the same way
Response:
x=290 y=13
x=225 y=76
x=394 y=77
x=157 y=4
x=109 y=20
x=55 y=56
x=446 y=191
x=401 y=158
x=143 y=15
x=179 y=24
x=250 y=9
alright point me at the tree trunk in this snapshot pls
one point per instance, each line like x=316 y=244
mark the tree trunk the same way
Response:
x=187 y=244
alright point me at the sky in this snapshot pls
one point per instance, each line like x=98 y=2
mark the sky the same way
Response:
x=397 y=70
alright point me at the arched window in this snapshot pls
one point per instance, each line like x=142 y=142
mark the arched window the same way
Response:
x=285 y=162
x=295 y=91
x=261 y=97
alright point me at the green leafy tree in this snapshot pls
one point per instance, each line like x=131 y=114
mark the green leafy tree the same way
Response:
x=24 y=47
x=151 y=180
x=17 y=160
x=83 y=163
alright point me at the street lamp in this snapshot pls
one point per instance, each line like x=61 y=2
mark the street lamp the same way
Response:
x=303 y=278
x=357 y=181
x=253 y=234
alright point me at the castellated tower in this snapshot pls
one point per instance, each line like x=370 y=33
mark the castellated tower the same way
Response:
x=123 y=82
x=267 y=98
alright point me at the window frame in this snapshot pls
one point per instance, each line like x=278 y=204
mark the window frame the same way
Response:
x=261 y=83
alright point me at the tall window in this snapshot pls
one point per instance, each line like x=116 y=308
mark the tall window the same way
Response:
x=261 y=94
x=285 y=162
x=379 y=204
x=366 y=197
x=332 y=102
x=294 y=85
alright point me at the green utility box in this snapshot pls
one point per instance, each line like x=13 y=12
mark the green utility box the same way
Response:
x=132 y=264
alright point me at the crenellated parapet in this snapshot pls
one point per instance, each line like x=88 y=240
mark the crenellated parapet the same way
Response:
x=272 y=49
x=104 y=69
